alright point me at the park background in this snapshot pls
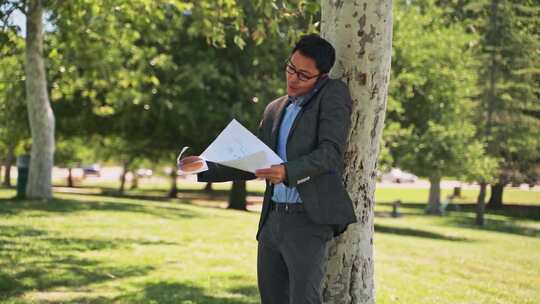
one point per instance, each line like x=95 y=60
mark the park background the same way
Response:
x=131 y=82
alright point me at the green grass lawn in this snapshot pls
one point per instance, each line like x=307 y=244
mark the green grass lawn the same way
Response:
x=161 y=186
x=105 y=249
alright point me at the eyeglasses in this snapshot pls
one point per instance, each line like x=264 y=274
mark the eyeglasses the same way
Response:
x=302 y=76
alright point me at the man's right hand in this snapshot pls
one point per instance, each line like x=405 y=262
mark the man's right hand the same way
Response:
x=191 y=163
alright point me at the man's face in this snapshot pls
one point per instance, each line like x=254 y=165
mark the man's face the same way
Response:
x=302 y=74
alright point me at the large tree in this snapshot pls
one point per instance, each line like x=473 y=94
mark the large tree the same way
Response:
x=509 y=80
x=361 y=32
x=40 y=113
x=431 y=132
x=508 y=117
x=14 y=130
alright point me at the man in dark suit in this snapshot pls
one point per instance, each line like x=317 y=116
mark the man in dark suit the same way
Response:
x=305 y=203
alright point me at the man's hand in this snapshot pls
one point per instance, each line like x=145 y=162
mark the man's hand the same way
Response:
x=275 y=174
x=190 y=163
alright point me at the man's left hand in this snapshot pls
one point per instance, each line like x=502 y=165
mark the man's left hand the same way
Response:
x=275 y=174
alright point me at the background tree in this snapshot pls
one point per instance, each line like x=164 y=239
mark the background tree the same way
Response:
x=431 y=131
x=14 y=131
x=508 y=82
x=40 y=113
x=482 y=170
x=71 y=153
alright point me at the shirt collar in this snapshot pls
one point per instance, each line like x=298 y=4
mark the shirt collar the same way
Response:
x=297 y=100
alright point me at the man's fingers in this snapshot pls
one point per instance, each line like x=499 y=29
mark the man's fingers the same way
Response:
x=189 y=160
x=264 y=171
x=266 y=175
x=273 y=174
x=273 y=178
x=192 y=166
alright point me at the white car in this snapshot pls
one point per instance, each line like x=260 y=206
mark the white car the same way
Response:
x=397 y=175
x=142 y=172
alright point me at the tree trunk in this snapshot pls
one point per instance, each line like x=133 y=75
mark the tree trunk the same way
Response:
x=237 y=196
x=125 y=170
x=480 y=204
x=208 y=187
x=434 y=200
x=496 y=199
x=457 y=192
x=361 y=32
x=70 y=177
x=134 y=181
x=40 y=114
x=173 y=192
x=10 y=160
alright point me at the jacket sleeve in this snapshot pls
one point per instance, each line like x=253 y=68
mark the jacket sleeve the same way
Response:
x=333 y=129
x=219 y=173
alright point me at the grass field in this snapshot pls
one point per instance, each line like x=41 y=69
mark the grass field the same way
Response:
x=159 y=186
x=106 y=249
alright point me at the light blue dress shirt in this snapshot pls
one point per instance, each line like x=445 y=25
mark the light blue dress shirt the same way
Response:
x=282 y=193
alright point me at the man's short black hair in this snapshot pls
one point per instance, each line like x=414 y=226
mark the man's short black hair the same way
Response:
x=318 y=49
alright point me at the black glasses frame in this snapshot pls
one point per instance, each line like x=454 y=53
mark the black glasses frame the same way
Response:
x=291 y=69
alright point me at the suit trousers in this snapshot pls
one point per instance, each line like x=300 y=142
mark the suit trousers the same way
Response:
x=291 y=258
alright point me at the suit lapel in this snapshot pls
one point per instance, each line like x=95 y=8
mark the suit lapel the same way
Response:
x=278 y=116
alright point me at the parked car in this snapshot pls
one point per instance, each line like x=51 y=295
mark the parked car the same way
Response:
x=396 y=175
x=142 y=172
x=91 y=170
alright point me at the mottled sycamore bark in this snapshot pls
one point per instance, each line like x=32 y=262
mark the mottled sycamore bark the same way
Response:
x=361 y=32
x=40 y=113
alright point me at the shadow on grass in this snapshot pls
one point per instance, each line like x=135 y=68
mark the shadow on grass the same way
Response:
x=14 y=207
x=417 y=233
x=184 y=197
x=150 y=194
x=31 y=260
x=172 y=292
x=530 y=212
x=21 y=241
x=503 y=226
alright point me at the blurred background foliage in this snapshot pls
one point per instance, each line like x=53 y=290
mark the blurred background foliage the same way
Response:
x=133 y=81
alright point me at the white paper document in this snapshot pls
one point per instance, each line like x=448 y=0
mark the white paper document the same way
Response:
x=238 y=148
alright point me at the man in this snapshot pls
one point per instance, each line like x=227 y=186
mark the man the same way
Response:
x=305 y=203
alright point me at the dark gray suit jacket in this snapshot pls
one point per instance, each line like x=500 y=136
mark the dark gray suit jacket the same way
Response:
x=315 y=148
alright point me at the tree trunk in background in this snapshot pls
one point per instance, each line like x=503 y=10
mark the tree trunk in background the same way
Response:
x=208 y=187
x=173 y=192
x=496 y=198
x=434 y=200
x=134 y=181
x=10 y=160
x=70 y=177
x=457 y=191
x=237 y=196
x=125 y=170
x=361 y=32
x=40 y=114
x=480 y=205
